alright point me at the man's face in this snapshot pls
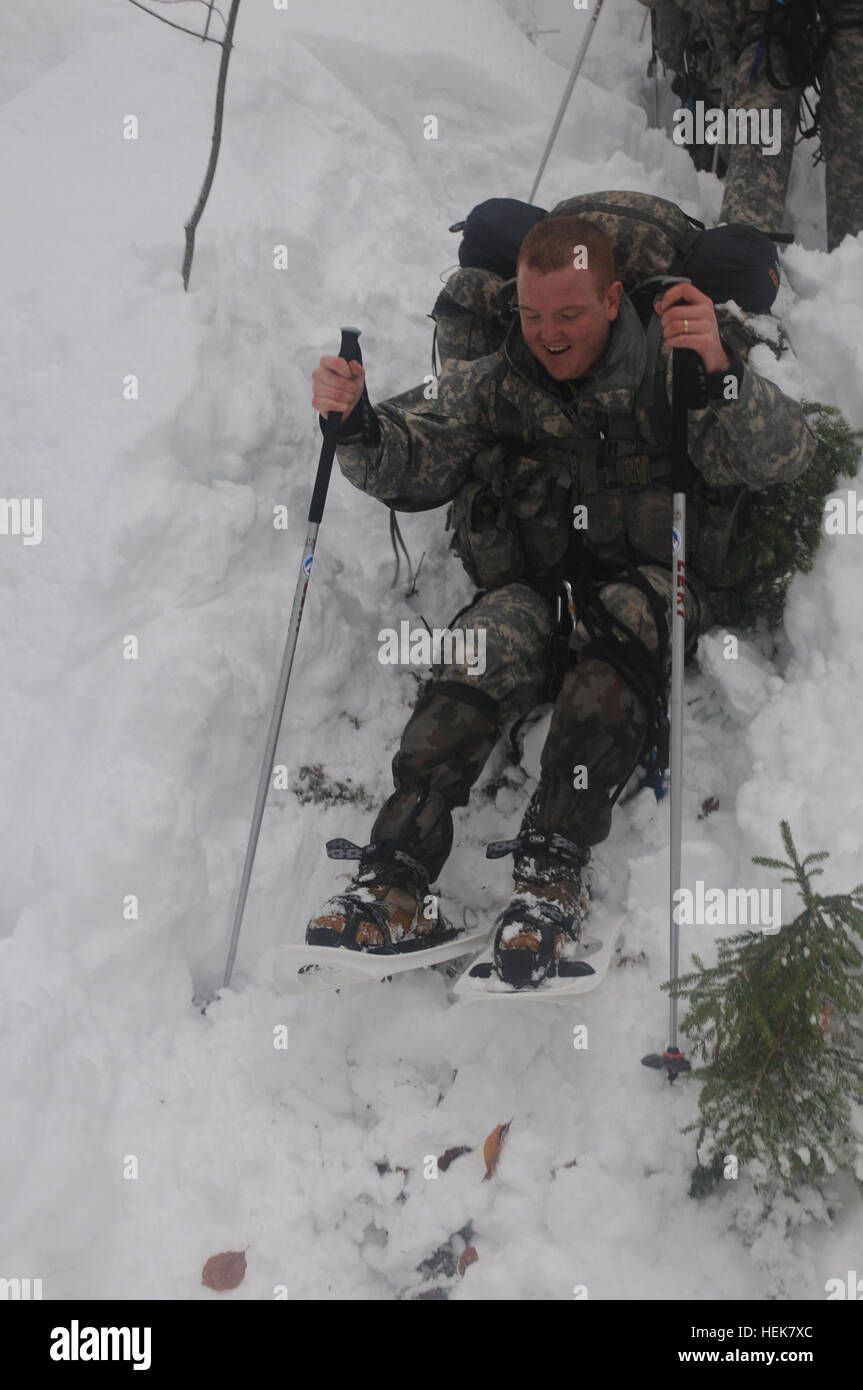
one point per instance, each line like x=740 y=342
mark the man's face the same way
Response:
x=564 y=322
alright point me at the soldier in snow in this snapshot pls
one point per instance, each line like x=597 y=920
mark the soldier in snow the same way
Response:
x=553 y=453
x=769 y=53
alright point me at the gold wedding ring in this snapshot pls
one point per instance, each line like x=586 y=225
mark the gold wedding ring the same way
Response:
x=686 y=325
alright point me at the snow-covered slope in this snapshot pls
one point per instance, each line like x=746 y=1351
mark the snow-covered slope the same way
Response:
x=136 y=776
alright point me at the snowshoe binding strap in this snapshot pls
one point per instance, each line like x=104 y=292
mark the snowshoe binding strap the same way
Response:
x=531 y=842
x=375 y=854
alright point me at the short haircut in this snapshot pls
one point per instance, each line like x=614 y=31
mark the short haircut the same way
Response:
x=551 y=245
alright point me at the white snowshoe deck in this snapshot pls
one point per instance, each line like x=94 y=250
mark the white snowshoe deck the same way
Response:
x=305 y=969
x=593 y=951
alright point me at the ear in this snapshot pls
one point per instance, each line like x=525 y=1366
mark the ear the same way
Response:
x=612 y=298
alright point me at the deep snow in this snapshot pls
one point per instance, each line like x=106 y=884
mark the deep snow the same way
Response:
x=137 y=776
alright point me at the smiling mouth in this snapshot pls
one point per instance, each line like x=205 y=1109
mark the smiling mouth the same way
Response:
x=556 y=351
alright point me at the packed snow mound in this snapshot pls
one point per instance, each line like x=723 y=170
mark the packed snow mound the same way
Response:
x=165 y=434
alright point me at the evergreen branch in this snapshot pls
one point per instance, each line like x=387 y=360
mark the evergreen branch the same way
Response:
x=770 y=1023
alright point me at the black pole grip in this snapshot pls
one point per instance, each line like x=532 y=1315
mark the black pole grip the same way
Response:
x=350 y=351
x=679 y=420
x=350 y=348
x=686 y=383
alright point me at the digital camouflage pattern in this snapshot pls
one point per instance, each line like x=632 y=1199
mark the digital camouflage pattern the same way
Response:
x=756 y=184
x=426 y=450
x=525 y=453
x=470 y=315
x=648 y=234
x=842 y=121
x=683 y=44
x=598 y=722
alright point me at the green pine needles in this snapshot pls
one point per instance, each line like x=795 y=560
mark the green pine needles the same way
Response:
x=777 y=1021
x=778 y=529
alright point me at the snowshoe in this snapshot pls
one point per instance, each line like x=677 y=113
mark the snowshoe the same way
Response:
x=537 y=935
x=388 y=909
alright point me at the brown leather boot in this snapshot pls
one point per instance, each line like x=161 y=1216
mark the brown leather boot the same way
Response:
x=378 y=916
x=537 y=934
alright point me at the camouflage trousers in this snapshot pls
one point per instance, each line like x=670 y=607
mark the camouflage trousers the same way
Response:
x=598 y=728
x=756 y=184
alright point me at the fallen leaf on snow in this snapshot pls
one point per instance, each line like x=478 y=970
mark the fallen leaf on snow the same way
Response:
x=451 y=1155
x=492 y=1147
x=224 y=1271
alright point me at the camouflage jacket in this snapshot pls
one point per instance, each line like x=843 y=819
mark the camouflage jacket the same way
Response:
x=525 y=460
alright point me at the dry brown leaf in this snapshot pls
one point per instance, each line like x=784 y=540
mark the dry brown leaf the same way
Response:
x=492 y=1147
x=467 y=1257
x=450 y=1156
x=224 y=1271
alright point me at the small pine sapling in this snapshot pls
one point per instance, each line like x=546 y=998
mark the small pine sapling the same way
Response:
x=777 y=1022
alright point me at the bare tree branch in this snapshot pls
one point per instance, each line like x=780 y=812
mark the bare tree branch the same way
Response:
x=227 y=45
x=183 y=30
x=209 y=17
x=210 y=4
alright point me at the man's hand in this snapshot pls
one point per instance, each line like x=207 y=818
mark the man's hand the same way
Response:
x=689 y=321
x=337 y=384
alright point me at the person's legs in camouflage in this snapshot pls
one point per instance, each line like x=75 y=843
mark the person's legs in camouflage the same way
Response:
x=756 y=183
x=456 y=723
x=445 y=745
x=597 y=734
x=842 y=129
x=600 y=721
x=683 y=44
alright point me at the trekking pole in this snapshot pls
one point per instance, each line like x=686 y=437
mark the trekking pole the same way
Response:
x=654 y=64
x=673 y=1059
x=567 y=94
x=350 y=351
